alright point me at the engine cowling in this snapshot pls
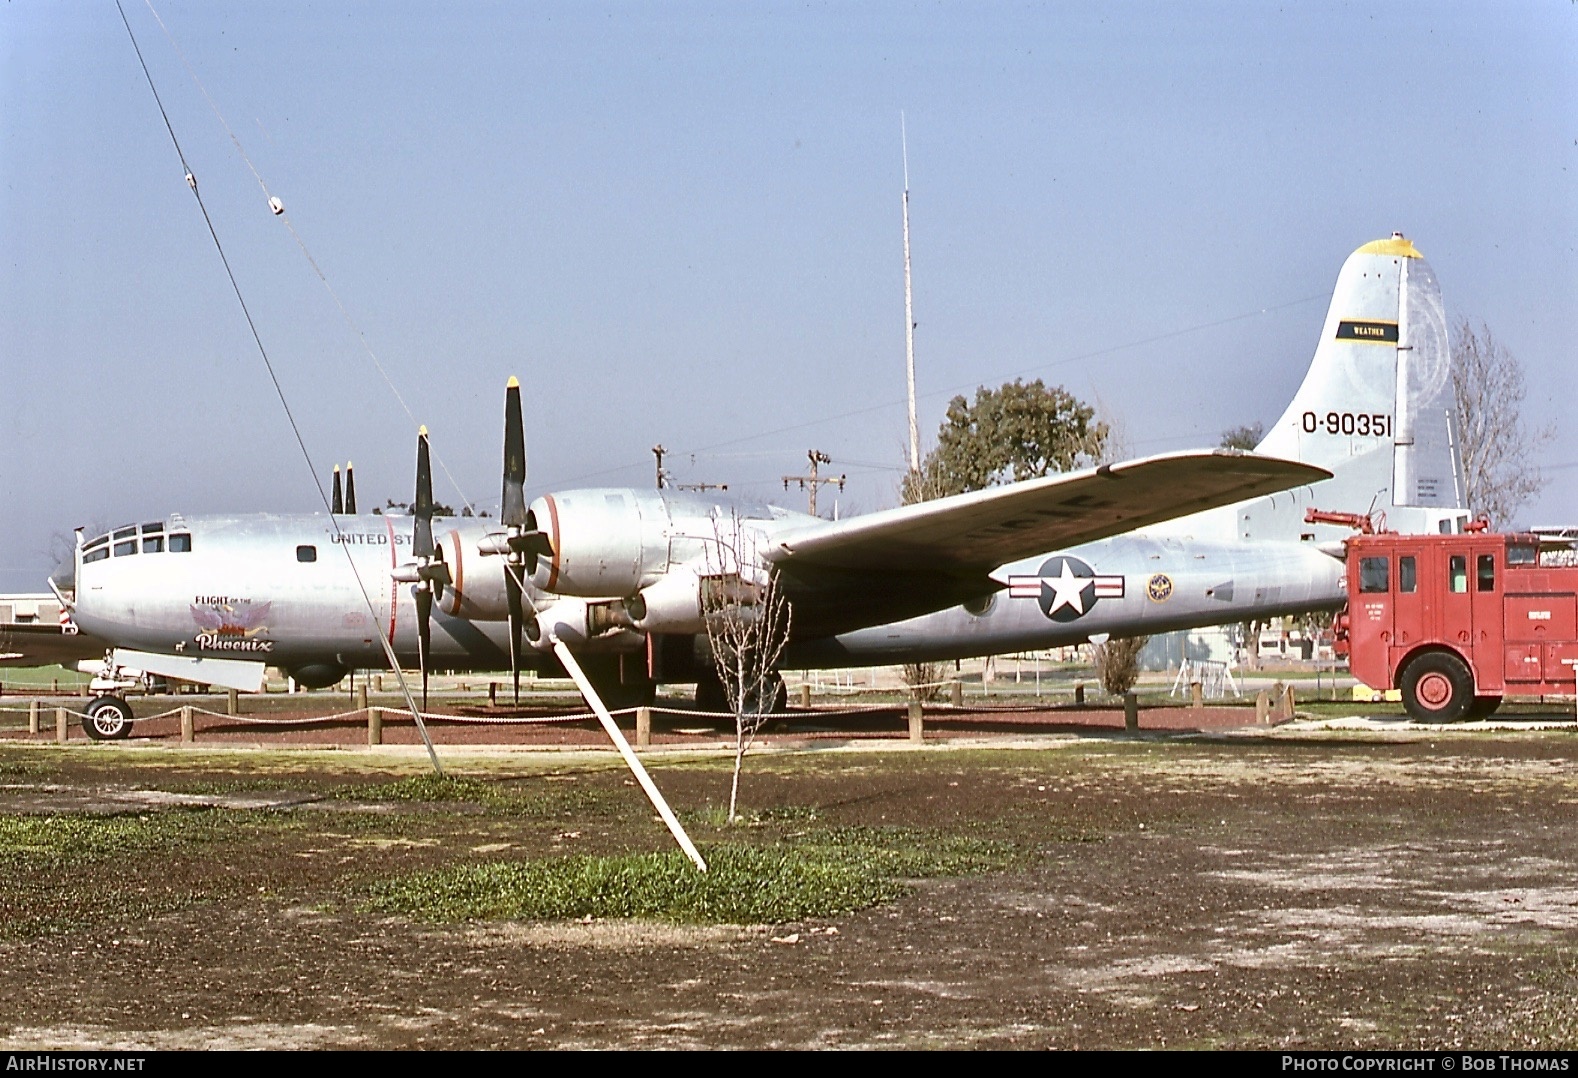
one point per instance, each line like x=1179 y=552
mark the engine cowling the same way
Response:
x=476 y=586
x=604 y=541
x=671 y=605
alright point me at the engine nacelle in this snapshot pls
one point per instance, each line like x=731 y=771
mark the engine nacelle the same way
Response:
x=672 y=605
x=604 y=541
x=603 y=624
x=476 y=588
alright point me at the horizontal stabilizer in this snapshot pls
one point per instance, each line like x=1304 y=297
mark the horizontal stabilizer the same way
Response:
x=239 y=674
x=984 y=529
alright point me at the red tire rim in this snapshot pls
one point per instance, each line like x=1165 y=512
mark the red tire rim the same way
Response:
x=1434 y=691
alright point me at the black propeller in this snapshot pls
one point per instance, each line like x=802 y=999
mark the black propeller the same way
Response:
x=431 y=575
x=523 y=542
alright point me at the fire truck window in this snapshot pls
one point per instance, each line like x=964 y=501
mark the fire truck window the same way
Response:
x=1407 y=579
x=1522 y=555
x=1373 y=574
x=1486 y=573
x=1457 y=573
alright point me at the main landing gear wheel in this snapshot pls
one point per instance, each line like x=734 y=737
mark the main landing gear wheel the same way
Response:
x=1437 y=687
x=107 y=718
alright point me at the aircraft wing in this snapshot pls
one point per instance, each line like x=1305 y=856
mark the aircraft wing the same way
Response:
x=46 y=644
x=981 y=530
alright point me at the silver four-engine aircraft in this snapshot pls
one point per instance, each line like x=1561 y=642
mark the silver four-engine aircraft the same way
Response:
x=1174 y=541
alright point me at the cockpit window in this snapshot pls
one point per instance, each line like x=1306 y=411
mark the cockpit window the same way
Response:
x=98 y=554
x=180 y=543
x=306 y=552
x=152 y=544
x=128 y=547
x=156 y=526
x=127 y=532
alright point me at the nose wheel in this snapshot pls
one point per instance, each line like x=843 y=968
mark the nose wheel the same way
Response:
x=107 y=718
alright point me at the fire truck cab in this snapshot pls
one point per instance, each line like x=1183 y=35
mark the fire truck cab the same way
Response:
x=1456 y=622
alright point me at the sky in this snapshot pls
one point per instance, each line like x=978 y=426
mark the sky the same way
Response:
x=680 y=223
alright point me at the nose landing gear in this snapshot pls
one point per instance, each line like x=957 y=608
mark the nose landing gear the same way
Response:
x=107 y=718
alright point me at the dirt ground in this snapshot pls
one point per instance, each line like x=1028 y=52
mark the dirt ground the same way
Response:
x=1253 y=888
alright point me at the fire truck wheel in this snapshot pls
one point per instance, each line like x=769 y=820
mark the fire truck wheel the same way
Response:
x=1437 y=687
x=1483 y=707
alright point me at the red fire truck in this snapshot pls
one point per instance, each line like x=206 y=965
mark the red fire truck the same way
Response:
x=1456 y=622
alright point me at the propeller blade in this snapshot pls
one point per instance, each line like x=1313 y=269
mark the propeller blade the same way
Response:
x=424 y=634
x=337 y=506
x=513 y=513
x=512 y=587
x=350 y=490
x=422 y=508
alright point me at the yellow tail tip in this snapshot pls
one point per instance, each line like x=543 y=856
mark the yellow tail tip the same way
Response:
x=421 y=432
x=514 y=383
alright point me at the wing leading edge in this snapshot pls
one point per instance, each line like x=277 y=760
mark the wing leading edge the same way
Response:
x=981 y=530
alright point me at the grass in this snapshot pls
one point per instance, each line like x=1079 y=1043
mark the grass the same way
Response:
x=59 y=873
x=558 y=799
x=818 y=874
x=31 y=843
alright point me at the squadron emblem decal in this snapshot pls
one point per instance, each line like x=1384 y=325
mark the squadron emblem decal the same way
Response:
x=1159 y=588
x=1065 y=588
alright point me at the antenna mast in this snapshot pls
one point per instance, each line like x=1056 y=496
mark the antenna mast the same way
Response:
x=909 y=306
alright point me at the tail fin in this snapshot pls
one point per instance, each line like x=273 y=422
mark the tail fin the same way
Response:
x=1375 y=407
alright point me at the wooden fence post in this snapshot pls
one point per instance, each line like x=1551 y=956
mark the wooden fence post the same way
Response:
x=956 y=693
x=32 y=716
x=643 y=727
x=188 y=725
x=60 y=725
x=375 y=726
x=1262 y=707
x=1131 y=713
x=917 y=728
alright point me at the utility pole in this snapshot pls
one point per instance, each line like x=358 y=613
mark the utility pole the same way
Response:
x=662 y=476
x=909 y=307
x=812 y=481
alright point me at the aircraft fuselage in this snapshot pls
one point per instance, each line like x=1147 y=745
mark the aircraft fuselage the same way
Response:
x=281 y=590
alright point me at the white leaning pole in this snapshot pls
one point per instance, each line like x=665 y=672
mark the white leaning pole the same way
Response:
x=596 y=702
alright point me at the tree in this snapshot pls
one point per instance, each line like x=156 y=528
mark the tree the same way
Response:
x=1118 y=662
x=748 y=618
x=1245 y=437
x=1496 y=445
x=1017 y=431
